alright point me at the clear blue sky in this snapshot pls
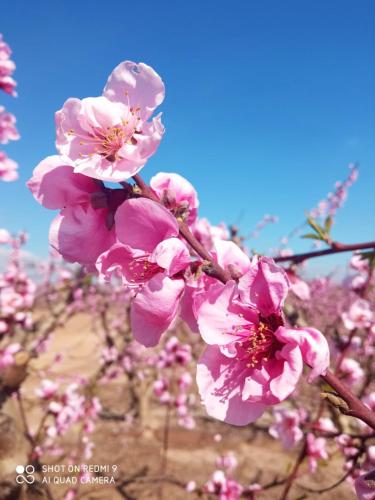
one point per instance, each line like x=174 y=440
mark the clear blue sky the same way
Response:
x=266 y=102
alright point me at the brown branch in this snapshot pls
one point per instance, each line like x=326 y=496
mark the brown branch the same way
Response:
x=292 y=476
x=356 y=407
x=335 y=248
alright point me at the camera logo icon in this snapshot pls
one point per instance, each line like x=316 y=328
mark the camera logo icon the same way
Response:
x=25 y=474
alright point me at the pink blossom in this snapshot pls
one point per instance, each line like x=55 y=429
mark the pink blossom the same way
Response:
x=369 y=400
x=266 y=219
x=7 y=83
x=228 y=462
x=7 y=355
x=325 y=424
x=7 y=67
x=299 y=287
x=316 y=450
x=8 y=130
x=225 y=488
x=111 y=137
x=185 y=381
x=359 y=315
x=365 y=486
x=335 y=200
x=83 y=230
x=351 y=371
x=252 y=360
x=230 y=256
x=356 y=282
x=358 y=263
x=149 y=257
x=47 y=389
x=176 y=194
x=286 y=427
x=8 y=168
x=5 y=236
x=206 y=233
x=160 y=387
x=191 y=486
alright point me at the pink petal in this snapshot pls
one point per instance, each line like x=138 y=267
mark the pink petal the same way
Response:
x=285 y=383
x=265 y=286
x=80 y=234
x=187 y=311
x=172 y=255
x=365 y=486
x=143 y=224
x=221 y=394
x=54 y=184
x=176 y=193
x=136 y=84
x=66 y=119
x=98 y=167
x=313 y=345
x=230 y=254
x=100 y=113
x=217 y=315
x=256 y=385
x=117 y=261
x=154 y=308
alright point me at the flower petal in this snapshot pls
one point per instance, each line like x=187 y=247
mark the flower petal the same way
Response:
x=172 y=255
x=143 y=224
x=80 y=234
x=221 y=394
x=154 y=308
x=265 y=286
x=137 y=84
x=217 y=315
x=313 y=345
x=55 y=185
x=291 y=370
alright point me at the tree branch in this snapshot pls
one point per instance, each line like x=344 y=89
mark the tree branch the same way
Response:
x=335 y=248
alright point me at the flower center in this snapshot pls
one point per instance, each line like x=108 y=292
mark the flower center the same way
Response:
x=107 y=142
x=260 y=345
x=142 y=270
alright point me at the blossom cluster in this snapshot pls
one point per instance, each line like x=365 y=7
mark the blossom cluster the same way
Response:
x=329 y=206
x=17 y=290
x=253 y=357
x=8 y=130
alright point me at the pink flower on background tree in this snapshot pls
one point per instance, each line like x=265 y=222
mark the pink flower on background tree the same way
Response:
x=252 y=360
x=365 y=486
x=287 y=426
x=8 y=168
x=111 y=137
x=7 y=67
x=359 y=315
x=8 y=130
x=316 y=450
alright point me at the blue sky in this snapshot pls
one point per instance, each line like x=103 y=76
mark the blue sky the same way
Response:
x=266 y=102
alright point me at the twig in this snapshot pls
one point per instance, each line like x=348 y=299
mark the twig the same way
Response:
x=335 y=248
x=292 y=476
